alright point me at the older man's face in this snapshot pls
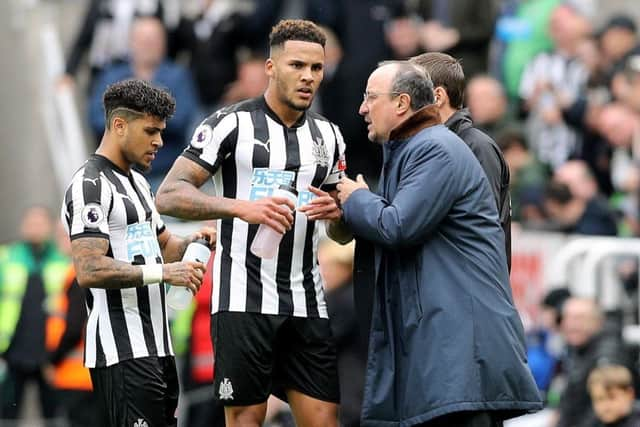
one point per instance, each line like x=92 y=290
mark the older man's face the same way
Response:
x=379 y=104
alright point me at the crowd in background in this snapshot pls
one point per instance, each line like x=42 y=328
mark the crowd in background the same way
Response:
x=560 y=95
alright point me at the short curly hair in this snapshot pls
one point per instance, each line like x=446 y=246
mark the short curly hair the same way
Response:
x=134 y=98
x=296 y=29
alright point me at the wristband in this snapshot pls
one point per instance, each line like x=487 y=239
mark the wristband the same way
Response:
x=151 y=274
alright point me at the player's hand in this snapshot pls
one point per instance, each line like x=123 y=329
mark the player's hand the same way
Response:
x=347 y=186
x=207 y=233
x=276 y=212
x=323 y=206
x=188 y=274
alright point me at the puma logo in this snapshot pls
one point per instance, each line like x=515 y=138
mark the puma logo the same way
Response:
x=94 y=181
x=264 y=145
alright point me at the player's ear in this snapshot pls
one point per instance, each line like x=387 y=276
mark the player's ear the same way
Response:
x=269 y=67
x=119 y=125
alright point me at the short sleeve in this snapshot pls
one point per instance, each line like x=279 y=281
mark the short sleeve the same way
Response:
x=86 y=206
x=210 y=142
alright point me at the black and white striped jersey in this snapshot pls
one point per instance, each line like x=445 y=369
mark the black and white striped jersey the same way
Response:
x=105 y=202
x=249 y=152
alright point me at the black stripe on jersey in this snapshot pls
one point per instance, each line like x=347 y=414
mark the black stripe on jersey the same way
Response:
x=68 y=198
x=91 y=184
x=144 y=309
x=130 y=209
x=165 y=335
x=143 y=201
x=307 y=271
x=285 y=254
x=101 y=359
x=230 y=187
x=252 y=262
x=118 y=324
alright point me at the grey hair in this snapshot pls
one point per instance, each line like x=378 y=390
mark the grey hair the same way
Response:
x=414 y=81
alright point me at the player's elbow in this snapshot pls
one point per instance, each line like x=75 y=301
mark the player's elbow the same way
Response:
x=86 y=280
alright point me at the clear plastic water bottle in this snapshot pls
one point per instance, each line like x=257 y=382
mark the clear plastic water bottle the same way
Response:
x=266 y=241
x=179 y=297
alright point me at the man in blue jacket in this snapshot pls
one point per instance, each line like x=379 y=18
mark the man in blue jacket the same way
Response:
x=446 y=343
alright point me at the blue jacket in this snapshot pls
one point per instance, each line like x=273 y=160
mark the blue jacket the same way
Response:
x=445 y=335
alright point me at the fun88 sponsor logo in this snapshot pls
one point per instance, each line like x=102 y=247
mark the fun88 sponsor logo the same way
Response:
x=264 y=181
x=141 y=241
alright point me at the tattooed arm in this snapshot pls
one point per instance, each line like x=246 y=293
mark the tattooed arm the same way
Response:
x=179 y=195
x=96 y=270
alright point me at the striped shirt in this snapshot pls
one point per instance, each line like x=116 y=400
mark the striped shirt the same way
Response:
x=105 y=202
x=249 y=152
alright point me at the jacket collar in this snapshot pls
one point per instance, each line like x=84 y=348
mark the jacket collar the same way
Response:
x=423 y=118
x=460 y=120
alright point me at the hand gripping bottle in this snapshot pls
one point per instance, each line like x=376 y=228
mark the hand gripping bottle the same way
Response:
x=266 y=241
x=179 y=297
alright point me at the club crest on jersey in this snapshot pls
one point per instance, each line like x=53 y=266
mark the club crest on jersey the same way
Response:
x=319 y=151
x=226 y=390
x=140 y=423
x=202 y=136
x=92 y=215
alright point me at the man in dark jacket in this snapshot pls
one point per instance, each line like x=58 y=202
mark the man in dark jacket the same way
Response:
x=446 y=343
x=448 y=80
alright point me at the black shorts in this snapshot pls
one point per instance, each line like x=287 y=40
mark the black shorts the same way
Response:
x=140 y=392
x=261 y=354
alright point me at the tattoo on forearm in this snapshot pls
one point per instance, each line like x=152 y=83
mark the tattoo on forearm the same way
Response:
x=97 y=270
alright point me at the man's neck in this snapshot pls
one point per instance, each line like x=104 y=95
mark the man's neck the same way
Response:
x=286 y=114
x=109 y=149
x=446 y=112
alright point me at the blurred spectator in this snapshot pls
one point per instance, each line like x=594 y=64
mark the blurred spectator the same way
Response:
x=403 y=37
x=630 y=82
x=523 y=34
x=251 y=82
x=613 y=397
x=552 y=82
x=213 y=39
x=488 y=105
x=618 y=41
x=590 y=344
x=584 y=113
x=620 y=126
x=545 y=346
x=148 y=61
x=336 y=267
x=32 y=275
x=462 y=29
x=528 y=178
x=573 y=202
x=105 y=29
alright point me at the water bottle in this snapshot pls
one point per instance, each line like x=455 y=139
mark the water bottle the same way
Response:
x=266 y=241
x=179 y=297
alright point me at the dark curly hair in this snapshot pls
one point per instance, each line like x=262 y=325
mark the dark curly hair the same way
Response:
x=133 y=98
x=296 y=29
